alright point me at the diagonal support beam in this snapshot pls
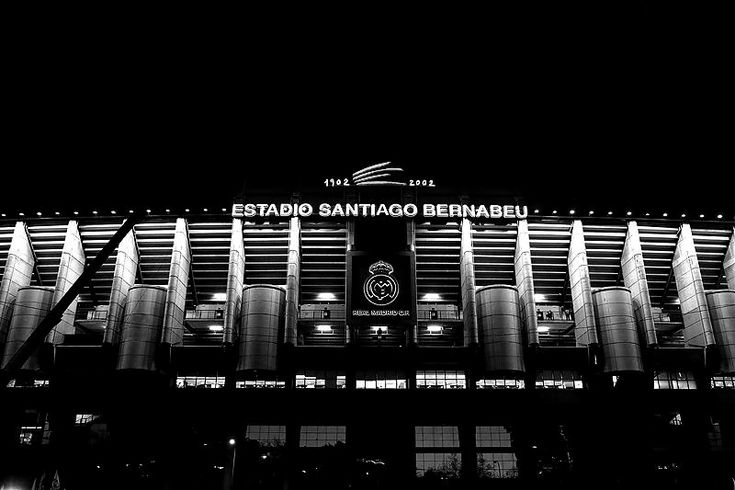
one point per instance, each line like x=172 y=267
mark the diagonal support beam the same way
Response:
x=668 y=284
x=35 y=339
x=138 y=272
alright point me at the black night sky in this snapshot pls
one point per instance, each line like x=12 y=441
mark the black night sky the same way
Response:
x=615 y=108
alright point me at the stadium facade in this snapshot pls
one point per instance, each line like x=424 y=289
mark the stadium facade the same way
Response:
x=434 y=346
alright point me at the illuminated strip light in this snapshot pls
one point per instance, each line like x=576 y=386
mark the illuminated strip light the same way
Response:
x=372 y=177
x=370 y=168
x=374 y=174
x=381 y=182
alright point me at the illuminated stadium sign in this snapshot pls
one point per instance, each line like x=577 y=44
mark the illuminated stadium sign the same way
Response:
x=372 y=210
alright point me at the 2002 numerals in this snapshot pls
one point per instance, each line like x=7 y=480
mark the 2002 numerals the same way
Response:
x=346 y=183
x=421 y=183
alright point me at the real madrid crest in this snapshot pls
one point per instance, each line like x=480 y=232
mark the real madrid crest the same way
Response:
x=381 y=288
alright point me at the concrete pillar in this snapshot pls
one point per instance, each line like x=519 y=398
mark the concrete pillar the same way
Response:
x=693 y=302
x=467 y=284
x=729 y=264
x=293 y=278
x=634 y=278
x=524 y=283
x=71 y=267
x=178 y=281
x=126 y=265
x=235 y=283
x=17 y=274
x=585 y=327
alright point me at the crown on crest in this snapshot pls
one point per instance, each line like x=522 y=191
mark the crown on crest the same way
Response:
x=381 y=267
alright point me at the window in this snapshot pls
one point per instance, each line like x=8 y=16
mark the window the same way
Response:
x=500 y=383
x=715 y=434
x=321 y=435
x=320 y=379
x=27 y=433
x=200 y=382
x=556 y=379
x=674 y=380
x=492 y=436
x=440 y=379
x=497 y=465
x=495 y=459
x=84 y=418
x=442 y=464
x=32 y=383
x=380 y=380
x=723 y=382
x=437 y=436
x=267 y=435
x=437 y=451
x=260 y=383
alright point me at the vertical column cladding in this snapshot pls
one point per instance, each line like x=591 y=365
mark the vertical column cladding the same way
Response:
x=722 y=312
x=178 y=281
x=262 y=319
x=71 y=267
x=524 y=282
x=500 y=328
x=126 y=266
x=694 y=310
x=729 y=263
x=585 y=329
x=618 y=332
x=142 y=323
x=293 y=280
x=32 y=304
x=634 y=278
x=235 y=283
x=17 y=275
x=467 y=284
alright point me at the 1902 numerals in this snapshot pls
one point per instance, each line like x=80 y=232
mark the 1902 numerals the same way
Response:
x=337 y=182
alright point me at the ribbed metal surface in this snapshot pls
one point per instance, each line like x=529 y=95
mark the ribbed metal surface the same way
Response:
x=500 y=328
x=293 y=281
x=235 y=277
x=31 y=306
x=16 y=275
x=634 y=278
x=580 y=286
x=618 y=332
x=141 y=327
x=126 y=266
x=261 y=327
x=524 y=283
x=722 y=313
x=71 y=267
x=467 y=283
x=688 y=276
